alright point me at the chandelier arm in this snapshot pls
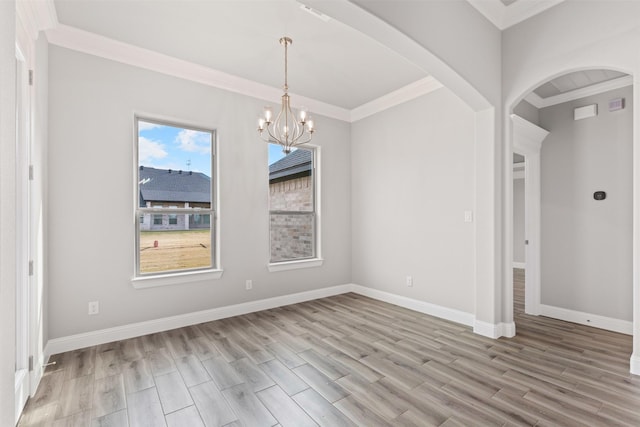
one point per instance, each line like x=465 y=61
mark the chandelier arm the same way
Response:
x=272 y=136
x=298 y=131
x=308 y=139
x=277 y=126
x=267 y=138
x=294 y=141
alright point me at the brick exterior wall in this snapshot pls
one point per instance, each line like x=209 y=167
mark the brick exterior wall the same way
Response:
x=291 y=195
x=291 y=234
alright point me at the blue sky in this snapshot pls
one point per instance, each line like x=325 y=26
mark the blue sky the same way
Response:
x=167 y=147
x=275 y=153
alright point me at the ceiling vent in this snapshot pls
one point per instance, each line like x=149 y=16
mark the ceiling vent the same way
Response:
x=585 y=112
x=315 y=13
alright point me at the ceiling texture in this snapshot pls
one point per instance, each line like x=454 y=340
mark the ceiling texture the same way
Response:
x=505 y=13
x=574 y=81
x=329 y=63
x=327 y=60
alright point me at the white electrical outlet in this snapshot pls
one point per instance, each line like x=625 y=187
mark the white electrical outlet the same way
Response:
x=249 y=284
x=94 y=307
x=409 y=281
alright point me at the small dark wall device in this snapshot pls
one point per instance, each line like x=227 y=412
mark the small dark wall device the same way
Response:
x=599 y=195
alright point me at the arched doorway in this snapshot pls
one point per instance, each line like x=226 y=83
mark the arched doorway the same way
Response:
x=595 y=313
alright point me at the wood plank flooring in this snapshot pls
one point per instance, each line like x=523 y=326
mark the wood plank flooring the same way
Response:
x=343 y=361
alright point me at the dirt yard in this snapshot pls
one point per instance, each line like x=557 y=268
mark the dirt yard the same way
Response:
x=175 y=250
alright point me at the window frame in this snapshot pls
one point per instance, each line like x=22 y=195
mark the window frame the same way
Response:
x=171 y=277
x=316 y=259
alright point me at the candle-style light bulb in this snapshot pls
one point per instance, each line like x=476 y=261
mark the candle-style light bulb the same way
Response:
x=260 y=124
x=310 y=124
x=268 y=113
x=303 y=115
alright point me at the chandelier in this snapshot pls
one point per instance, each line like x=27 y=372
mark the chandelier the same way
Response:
x=287 y=129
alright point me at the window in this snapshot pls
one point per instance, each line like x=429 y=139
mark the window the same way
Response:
x=174 y=190
x=173 y=218
x=292 y=204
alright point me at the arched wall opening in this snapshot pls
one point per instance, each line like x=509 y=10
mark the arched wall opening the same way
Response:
x=543 y=74
x=487 y=212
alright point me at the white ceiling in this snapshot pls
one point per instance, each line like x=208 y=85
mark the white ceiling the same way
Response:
x=333 y=69
x=574 y=81
x=577 y=85
x=328 y=61
x=505 y=13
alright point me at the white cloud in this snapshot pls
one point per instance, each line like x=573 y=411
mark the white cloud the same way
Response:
x=146 y=126
x=194 y=141
x=148 y=150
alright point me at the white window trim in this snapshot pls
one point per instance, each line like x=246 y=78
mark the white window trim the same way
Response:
x=187 y=276
x=177 y=278
x=294 y=265
x=317 y=260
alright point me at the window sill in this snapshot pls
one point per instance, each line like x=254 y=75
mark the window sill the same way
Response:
x=294 y=265
x=175 y=278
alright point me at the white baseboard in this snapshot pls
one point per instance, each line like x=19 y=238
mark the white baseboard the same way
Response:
x=634 y=364
x=87 y=339
x=601 y=322
x=417 y=305
x=497 y=330
x=516 y=264
x=508 y=330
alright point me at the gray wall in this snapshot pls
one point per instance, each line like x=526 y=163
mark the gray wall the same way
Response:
x=564 y=38
x=91 y=106
x=7 y=211
x=412 y=180
x=587 y=244
x=518 y=221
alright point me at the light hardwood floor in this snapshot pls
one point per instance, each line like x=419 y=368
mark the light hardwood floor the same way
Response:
x=343 y=361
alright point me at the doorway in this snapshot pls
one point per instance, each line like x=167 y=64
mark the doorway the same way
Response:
x=527 y=142
x=577 y=162
x=519 y=235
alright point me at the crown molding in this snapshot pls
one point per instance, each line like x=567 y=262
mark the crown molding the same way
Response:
x=504 y=17
x=400 y=96
x=530 y=135
x=104 y=47
x=596 y=89
x=36 y=16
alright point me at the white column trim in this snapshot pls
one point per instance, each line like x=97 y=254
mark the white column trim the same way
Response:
x=527 y=140
x=634 y=364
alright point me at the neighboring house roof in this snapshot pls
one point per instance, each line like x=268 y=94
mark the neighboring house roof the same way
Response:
x=297 y=162
x=168 y=185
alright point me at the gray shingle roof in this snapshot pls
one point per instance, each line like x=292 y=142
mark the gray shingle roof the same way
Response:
x=173 y=186
x=296 y=162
